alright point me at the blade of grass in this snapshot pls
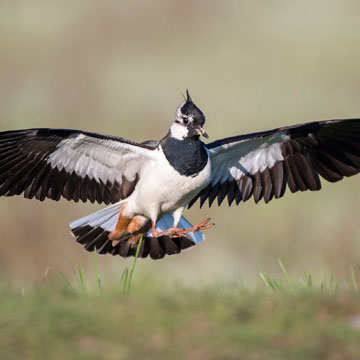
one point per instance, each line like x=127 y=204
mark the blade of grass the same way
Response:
x=274 y=285
x=46 y=271
x=353 y=279
x=96 y=270
x=134 y=264
x=309 y=282
x=67 y=282
x=288 y=279
x=124 y=278
x=77 y=279
x=81 y=279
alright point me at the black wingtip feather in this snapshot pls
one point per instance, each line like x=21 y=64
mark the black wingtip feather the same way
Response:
x=231 y=192
x=222 y=192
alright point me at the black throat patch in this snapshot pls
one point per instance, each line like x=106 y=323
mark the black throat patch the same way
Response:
x=188 y=157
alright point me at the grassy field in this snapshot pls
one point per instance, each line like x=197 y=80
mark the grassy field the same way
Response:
x=81 y=318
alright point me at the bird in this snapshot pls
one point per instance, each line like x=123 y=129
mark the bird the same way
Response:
x=147 y=186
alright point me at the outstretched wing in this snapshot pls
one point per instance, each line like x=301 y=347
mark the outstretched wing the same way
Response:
x=73 y=164
x=263 y=164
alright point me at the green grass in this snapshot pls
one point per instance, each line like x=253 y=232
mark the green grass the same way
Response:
x=84 y=318
x=157 y=322
x=81 y=284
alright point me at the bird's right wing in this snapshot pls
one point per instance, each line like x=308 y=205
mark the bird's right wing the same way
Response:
x=76 y=165
x=262 y=165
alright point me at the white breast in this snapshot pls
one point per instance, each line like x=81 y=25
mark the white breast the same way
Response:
x=162 y=189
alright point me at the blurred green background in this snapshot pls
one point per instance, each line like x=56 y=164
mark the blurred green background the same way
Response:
x=120 y=68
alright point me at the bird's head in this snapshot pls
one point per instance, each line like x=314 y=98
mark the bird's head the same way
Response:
x=189 y=121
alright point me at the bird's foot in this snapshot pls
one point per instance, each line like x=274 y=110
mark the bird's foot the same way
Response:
x=115 y=237
x=201 y=226
x=173 y=232
x=176 y=232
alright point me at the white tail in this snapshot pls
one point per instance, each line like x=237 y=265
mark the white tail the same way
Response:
x=105 y=218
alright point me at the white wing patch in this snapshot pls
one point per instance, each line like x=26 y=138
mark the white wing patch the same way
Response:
x=248 y=156
x=99 y=159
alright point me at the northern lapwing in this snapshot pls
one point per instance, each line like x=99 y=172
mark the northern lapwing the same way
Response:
x=150 y=184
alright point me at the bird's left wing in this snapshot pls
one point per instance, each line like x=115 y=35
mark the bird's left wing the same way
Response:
x=263 y=164
x=73 y=164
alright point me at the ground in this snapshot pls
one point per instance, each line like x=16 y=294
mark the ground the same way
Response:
x=155 y=321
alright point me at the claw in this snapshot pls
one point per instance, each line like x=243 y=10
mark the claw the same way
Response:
x=114 y=242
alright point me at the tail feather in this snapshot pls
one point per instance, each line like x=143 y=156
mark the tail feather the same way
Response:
x=93 y=230
x=107 y=218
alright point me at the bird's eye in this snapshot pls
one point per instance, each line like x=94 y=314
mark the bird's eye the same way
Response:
x=185 y=120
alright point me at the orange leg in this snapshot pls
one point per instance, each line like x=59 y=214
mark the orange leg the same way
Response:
x=120 y=228
x=137 y=229
x=201 y=226
x=176 y=232
x=134 y=240
x=134 y=228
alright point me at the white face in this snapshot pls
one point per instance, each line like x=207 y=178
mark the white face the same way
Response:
x=179 y=129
